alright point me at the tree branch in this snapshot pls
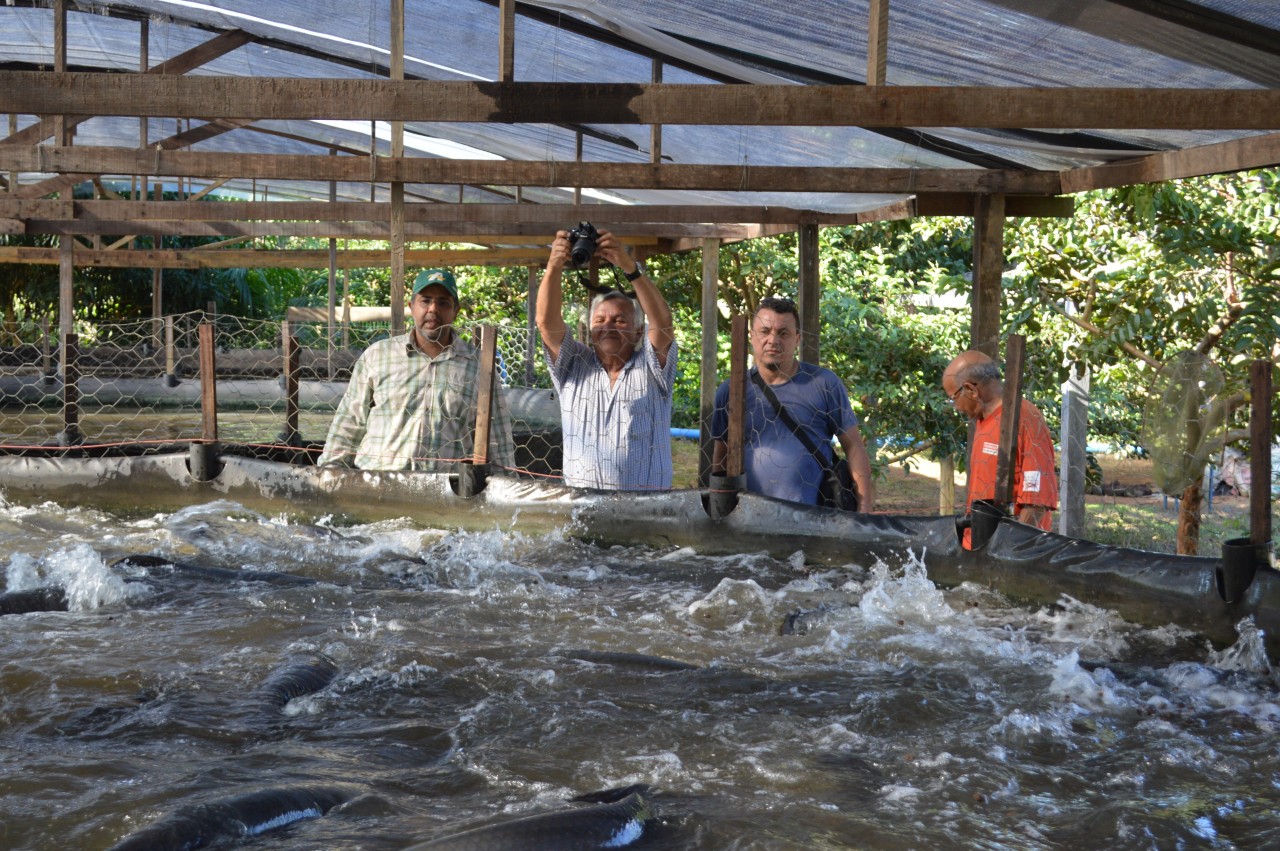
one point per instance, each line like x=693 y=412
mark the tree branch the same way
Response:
x=1094 y=329
x=910 y=451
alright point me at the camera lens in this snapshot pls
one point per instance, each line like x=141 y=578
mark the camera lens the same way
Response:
x=582 y=250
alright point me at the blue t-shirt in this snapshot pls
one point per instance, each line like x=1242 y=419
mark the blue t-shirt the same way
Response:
x=777 y=463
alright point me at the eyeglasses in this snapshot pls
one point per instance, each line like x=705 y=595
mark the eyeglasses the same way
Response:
x=952 y=397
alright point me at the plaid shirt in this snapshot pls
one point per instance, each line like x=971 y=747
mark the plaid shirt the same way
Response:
x=615 y=437
x=404 y=410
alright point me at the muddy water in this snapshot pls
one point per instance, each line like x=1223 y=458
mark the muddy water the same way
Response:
x=484 y=676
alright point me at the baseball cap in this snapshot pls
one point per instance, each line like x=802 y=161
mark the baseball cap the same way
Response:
x=431 y=277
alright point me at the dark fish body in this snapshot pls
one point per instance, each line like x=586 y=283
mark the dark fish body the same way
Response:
x=296 y=679
x=48 y=599
x=633 y=660
x=236 y=818
x=614 y=825
x=217 y=574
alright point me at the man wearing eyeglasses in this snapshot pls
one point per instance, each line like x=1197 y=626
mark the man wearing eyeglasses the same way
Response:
x=973 y=383
x=615 y=394
x=778 y=463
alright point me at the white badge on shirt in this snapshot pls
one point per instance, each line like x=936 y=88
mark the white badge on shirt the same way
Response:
x=1031 y=481
x=990 y=448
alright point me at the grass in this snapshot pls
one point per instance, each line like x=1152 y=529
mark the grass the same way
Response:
x=1146 y=523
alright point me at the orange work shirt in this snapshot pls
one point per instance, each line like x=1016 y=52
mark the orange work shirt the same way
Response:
x=1034 y=480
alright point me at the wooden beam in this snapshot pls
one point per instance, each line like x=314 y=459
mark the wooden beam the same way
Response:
x=1015 y=206
x=1220 y=158
x=263 y=259
x=70 y=178
x=217 y=46
x=471 y=216
x=604 y=175
x=43 y=92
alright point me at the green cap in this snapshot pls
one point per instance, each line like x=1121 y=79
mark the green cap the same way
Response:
x=432 y=277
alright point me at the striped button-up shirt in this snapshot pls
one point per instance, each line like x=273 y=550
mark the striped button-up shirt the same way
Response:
x=405 y=410
x=615 y=437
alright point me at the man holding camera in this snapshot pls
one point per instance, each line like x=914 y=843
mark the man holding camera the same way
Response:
x=615 y=394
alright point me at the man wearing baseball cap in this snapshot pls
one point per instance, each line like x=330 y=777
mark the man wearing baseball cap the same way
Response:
x=411 y=401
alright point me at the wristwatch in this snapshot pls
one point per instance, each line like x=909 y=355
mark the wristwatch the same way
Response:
x=637 y=273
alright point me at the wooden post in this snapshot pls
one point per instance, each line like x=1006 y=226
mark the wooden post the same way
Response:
x=707 y=373
x=208 y=385
x=1010 y=416
x=484 y=398
x=397 y=258
x=60 y=123
x=397 y=187
x=1260 y=458
x=988 y=270
x=877 y=43
x=737 y=412
x=947 y=485
x=46 y=350
x=809 y=295
x=531 y=327
x=70 y=435
x=655 y=130
x=170 y=353
x=291 y=434
x=507 y=40
x=1073 y=439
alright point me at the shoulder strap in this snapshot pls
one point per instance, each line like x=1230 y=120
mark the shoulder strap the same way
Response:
x=789 y=421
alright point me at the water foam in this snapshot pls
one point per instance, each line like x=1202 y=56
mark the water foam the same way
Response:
x=87 y=580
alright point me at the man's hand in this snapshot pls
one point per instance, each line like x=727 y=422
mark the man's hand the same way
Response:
x=609 y=248
x=560 y=252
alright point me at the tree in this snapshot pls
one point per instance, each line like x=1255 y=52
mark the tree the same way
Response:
x=1142 y=273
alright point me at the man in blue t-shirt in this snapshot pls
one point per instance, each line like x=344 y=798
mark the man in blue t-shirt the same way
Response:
x=776 y=461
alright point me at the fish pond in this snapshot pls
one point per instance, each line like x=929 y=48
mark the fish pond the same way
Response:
x=444 y=680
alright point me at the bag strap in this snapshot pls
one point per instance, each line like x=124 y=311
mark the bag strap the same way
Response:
x=789 y=422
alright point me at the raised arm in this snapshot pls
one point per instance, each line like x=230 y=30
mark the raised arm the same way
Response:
x=550 y=309
x=656 y=312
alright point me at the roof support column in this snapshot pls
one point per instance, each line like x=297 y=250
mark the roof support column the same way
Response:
x=809 y=293
x=988 y=268
x=397 y=187
x=655 y=130
x=60 y=63
x=877 y=42
x=507 y=41
x=707 y=376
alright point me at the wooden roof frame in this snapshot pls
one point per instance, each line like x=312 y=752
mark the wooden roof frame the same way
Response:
x=63 y=97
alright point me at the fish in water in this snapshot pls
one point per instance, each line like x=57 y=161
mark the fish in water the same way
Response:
x=47 y=599
x=619 y=822
x=155 y=563
x=248 y=815
x=634 y=660
x=304 y=676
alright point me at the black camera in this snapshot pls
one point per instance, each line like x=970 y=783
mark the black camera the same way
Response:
x=582 y=244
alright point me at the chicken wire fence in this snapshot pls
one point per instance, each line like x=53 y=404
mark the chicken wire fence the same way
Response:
x=138 y=385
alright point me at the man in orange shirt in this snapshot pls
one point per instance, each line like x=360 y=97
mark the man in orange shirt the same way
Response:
x=972 y=382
